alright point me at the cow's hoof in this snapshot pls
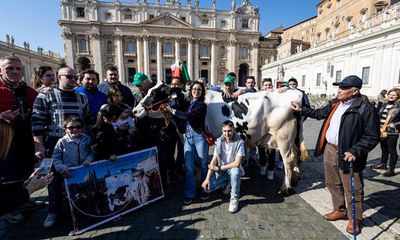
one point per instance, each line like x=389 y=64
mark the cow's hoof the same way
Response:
x=283 y=193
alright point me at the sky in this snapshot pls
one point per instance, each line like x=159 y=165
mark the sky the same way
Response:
x=36 y=21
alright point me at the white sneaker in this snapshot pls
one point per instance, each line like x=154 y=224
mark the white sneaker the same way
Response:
x=270 y=175
x=263 y=170
x=233 y=205
x=227 y=189
x=50 y=220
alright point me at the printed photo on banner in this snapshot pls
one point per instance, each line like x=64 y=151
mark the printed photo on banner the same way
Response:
x=106 y=190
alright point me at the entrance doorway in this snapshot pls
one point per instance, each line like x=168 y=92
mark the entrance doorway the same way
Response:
x=243 y=73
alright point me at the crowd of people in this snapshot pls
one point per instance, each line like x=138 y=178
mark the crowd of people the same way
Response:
x=75 y=120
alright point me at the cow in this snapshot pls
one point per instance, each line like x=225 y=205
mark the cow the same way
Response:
x=263 y=119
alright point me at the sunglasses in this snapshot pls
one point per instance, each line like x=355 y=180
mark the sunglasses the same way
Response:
x=77 y=127
x=70 y=76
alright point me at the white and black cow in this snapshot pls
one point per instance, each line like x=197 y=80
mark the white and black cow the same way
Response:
x=263 y=119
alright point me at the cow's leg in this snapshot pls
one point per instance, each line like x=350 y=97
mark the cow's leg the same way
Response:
x=286 y=144
x=284 y=149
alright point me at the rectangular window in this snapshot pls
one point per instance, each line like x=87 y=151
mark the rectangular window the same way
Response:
x=183 y=50
x=204 y=21
x=128 y=16
x=108 y=16
x=245 y=23
x=318 y=83
x=151 y=16
x=80 y=12
x=244 y=53
x=338 y=75
x=365 y=75
x=183 y=19
x=204 y=50
x=303 y=80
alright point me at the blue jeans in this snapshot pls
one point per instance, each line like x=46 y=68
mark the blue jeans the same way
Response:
x=220 y=180
x=194 y=144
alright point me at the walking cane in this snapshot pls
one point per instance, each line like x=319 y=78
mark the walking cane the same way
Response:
x=353 y=201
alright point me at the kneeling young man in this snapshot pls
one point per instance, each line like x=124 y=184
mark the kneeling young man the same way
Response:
x=225 y=167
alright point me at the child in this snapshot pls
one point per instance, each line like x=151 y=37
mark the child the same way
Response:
x=125 y=128
x=71 y=150
x=105 y=137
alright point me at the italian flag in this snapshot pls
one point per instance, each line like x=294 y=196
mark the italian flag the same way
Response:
x=179 y=69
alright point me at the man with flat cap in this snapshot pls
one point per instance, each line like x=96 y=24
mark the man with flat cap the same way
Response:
x=349 y=132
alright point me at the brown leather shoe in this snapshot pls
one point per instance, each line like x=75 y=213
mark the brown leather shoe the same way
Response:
x=350 y=229
x=336 y=215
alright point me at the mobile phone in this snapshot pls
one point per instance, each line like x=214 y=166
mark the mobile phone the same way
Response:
x=45 y=167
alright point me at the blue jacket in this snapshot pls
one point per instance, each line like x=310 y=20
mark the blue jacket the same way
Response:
x=70 y=152
x=96 y=99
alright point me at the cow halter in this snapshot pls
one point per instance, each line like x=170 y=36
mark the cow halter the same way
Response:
x=164 y=114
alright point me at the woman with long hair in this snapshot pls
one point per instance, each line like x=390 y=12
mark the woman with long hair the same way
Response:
x=43 y=78
x=195 y=142
x=390 y=119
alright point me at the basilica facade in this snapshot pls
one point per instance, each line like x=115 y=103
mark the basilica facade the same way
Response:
x=139 y=36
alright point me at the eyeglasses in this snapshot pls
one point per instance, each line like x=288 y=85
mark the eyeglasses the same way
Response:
x=70 y=76
x=77 y=127
x=197 y=89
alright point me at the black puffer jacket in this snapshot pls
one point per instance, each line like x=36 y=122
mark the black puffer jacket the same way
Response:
x=358 y=133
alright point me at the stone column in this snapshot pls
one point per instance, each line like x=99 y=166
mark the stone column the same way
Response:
x=177 y=49
x=69 y=49
x=146 y=61
x=190 y=58
x=139 y=54
x=159 y=60
x=196 y=59
x=120 y=58
x=232 y=56
x=254 y=62
x=214 y=62
x=98 y=63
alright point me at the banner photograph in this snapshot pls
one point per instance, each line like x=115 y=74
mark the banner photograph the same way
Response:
x=106 y=190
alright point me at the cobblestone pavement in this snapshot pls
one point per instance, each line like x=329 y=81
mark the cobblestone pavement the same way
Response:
x=262 y=215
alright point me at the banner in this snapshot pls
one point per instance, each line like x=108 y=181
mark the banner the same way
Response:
x=106 y=190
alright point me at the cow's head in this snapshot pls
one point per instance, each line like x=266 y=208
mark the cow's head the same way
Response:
x=156 y=96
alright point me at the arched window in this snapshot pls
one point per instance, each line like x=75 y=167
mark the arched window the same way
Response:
x=204 y=50
x=153 y=48
x=131 y=47
x=244 y=53
x=168 y=48
x=184 y=50
x=82 y=45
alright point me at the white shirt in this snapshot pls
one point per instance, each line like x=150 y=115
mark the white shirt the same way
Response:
x=332 y=134
x=226 y=150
